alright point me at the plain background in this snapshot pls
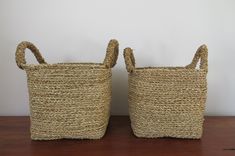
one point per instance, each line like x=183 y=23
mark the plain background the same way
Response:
x=162 y=33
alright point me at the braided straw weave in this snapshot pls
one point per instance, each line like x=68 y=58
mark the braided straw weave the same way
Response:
x=68 y=100
x=167 y=101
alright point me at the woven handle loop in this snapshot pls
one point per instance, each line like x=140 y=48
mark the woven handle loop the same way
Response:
x=129 y=59
x=202 y=55
x=20 y=54
x=111 y=54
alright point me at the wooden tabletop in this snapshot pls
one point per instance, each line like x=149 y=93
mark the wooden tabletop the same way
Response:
x=218 y=139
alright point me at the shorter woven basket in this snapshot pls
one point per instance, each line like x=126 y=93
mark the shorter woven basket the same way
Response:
x=167 y=101
x=68 y=100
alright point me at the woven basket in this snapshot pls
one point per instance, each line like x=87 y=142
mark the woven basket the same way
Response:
x=68 y=100
x=167 y=101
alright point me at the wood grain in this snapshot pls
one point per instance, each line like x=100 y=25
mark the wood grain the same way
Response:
x=218 y=139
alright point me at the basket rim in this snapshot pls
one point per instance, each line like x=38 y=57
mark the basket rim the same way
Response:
x=66 y=64
x=167 y=68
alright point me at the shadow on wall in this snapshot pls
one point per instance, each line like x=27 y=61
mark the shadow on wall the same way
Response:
x=119 y=105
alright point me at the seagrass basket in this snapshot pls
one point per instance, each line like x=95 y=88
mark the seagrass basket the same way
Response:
x=68 y=100
x=167 y=101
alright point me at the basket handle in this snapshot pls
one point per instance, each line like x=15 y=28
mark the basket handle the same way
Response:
x=20 y=54
x=129 y=59
x=111 y=54
x=202 y=55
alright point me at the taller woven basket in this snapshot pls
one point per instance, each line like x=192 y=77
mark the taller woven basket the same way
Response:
x=68 y=100
x=167 y=101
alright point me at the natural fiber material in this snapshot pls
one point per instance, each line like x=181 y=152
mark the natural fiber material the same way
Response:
x=167 y=101
x=68 y=100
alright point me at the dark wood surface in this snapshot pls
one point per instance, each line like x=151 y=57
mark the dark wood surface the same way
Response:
x=218 y=139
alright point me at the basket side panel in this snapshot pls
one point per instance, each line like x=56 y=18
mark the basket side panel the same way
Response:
x=167 y=103
x=69 y=102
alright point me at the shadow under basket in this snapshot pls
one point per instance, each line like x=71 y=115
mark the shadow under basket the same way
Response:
x=68 y=100
x=167 y=101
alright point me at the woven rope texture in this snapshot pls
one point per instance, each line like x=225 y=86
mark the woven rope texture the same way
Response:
x=167 y=101
x=68 y=100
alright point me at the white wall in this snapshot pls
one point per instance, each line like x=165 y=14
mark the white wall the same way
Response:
x=165 y=32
